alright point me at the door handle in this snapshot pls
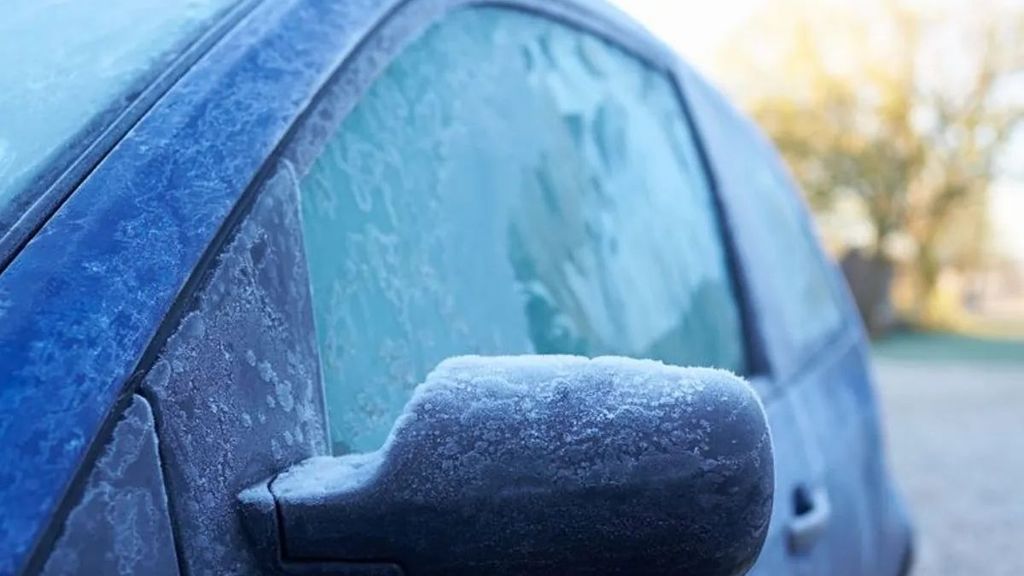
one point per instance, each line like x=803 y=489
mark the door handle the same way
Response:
x=813 y=513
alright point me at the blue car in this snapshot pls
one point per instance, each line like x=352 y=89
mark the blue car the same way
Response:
x=310 y=287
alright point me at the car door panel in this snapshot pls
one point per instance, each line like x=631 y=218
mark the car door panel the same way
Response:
x=843 y=433
x=236 y=385
x=790 y=475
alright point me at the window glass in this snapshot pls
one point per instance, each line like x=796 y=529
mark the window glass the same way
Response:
x=63 y=64
x=810 y=311
x=509 y=185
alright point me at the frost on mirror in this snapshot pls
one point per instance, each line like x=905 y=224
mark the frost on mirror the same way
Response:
x=509 y=185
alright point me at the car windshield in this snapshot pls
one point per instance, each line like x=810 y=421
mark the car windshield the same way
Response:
x=68 y=68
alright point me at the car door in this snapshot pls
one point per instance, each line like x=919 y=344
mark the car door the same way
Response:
x=843 y=516
x=506 y=184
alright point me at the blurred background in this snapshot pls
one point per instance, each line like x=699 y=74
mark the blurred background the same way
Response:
x=903 y=121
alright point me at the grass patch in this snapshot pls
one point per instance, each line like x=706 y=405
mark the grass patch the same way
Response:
x=946 y=346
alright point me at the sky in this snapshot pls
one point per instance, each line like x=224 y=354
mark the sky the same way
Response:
x=700 y=30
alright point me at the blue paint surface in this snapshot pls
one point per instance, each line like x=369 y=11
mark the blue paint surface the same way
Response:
x=236 y=385
x=82 y=301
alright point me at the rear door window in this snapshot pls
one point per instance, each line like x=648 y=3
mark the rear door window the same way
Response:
x=509 y=185
x=810 y=310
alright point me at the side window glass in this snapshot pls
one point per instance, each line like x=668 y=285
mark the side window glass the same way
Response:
x=508 y=185
x=811 y=311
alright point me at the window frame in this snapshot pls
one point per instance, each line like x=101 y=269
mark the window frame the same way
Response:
x=311 y=132
x=733 y=136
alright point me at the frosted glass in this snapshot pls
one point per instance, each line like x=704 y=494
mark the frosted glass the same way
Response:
x=65 y=62
x=509 y=185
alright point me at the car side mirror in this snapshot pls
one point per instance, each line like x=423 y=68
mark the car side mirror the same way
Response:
x=538 y=465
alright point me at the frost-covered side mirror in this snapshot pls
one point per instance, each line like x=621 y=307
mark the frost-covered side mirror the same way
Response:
x=538 y=465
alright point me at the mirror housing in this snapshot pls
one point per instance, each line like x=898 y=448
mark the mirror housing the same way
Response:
x=538 y=465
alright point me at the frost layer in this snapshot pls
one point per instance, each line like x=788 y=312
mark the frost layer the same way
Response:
x=545 y=465
x=237 y=384
x=121 y=525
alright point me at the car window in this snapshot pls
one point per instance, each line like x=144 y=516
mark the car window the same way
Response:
x=509 y=185
x=810 y=310
x=64 y=66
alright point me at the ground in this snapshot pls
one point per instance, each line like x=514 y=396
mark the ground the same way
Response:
x=954 y=413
